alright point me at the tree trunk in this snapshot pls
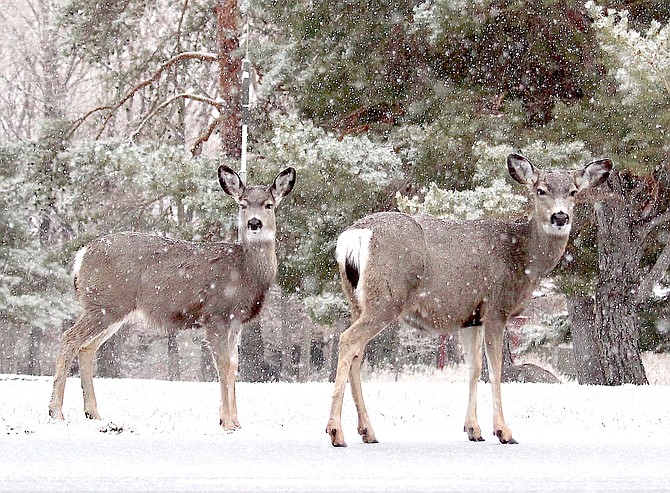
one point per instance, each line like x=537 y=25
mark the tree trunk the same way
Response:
x=507 y=360
x=616 y=320
x=34 y=367
x=229 y=76
x=109 y=357
x=174 y=369
x=585 y=346
x=251 y=353
x=304 y=366
x=207 y=367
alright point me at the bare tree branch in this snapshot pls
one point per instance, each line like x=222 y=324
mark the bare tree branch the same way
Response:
x=77 y=123
x=197 y=146
x=187 y=55
x=653 y=223
x=655 y=274
x=218 y=105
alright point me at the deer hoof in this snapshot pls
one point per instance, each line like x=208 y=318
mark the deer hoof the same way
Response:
x=92 y=414
x=336 y=437
x=367 y=435
x=507 y=441
x=56 y=414
x=474 y=436
x=228 y=426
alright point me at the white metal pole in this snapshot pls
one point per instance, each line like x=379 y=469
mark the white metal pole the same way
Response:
x=245 y=116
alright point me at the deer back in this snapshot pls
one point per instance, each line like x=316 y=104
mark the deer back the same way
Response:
x=172 y=284
x=446 y=274
x=439 y=272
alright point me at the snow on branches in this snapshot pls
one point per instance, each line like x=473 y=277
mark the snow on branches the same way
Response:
x=642 y=60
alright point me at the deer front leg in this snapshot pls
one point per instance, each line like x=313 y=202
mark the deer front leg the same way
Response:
x=225 y=354
x=472 y=338
x=220 y=347
x=233 y=344
x=494 y=334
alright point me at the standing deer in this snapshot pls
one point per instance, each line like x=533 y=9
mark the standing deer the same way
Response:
x=443 y=275
x=176 y=285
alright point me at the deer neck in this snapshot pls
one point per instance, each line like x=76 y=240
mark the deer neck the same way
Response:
x=260 y=258
x=544 y=251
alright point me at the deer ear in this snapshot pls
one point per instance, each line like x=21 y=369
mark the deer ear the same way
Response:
x=520 y=169
x=283 y=184
x=593 y=173
x=230 y=182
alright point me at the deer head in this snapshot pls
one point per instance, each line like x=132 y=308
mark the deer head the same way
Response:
x=554 y=192
x=256 y=220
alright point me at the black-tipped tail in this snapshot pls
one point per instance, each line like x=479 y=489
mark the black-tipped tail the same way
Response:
x=352 y=273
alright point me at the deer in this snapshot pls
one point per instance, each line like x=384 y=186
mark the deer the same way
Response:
x=445 y=276
x=173 y=284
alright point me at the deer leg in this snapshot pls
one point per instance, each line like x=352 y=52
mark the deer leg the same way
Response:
x=86 y=359
x=472 y=338
x=364 y=427
x=233 y=344
x=493 y=335
x=71 y=341
x=224 y=352
x=65 y=357
x=351 y=347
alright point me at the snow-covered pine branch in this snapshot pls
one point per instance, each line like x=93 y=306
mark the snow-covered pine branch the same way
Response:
x=642 y=59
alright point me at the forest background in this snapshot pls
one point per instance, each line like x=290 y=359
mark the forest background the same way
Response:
x=115 y=115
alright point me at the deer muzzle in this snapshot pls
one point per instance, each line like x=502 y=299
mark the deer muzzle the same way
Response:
x=560 y=219
x=255 y=224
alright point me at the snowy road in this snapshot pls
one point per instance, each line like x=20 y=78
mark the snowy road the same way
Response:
x=169 y=464
x=209 y=464
x=161 y=437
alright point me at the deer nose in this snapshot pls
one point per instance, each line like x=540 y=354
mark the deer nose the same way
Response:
x=560 y=219
x=254 y=224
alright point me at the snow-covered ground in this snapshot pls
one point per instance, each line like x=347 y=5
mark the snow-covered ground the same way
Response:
x=164 y=436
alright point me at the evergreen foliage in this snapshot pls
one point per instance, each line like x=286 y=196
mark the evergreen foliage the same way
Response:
x=379 y=105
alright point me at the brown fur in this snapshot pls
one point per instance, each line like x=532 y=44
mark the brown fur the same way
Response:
x=445 y=275
x=176 y=285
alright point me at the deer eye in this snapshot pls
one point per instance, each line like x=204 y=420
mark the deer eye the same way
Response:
x=573 y=193
x=269 y=205
x=243 y=206
x=541 y=191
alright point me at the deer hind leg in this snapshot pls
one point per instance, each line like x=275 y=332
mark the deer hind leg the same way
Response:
x=364 y=427
x=224 y=346
x=493 y=336
x=472 y=338
x=73 y=339
x=351 y=351
x=86 y=360
x=68 y=351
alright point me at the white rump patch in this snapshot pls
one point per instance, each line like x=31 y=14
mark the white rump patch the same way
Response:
x=78 y=260
x=354 y=245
